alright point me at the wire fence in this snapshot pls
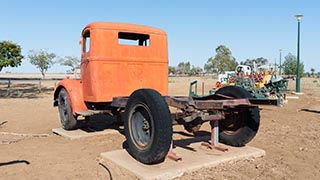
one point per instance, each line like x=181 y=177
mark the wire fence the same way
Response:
x=16 y=87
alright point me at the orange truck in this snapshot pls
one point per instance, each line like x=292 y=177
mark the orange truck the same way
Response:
x=124 y=73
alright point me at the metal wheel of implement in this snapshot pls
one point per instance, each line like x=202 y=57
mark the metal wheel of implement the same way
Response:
x=67 y=119
x=241 y=123
x=148 y=126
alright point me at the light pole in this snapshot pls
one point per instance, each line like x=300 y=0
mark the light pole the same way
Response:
x=280 y=63
x=298 y=16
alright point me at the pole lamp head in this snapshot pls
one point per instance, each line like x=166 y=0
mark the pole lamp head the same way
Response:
x=299 y=16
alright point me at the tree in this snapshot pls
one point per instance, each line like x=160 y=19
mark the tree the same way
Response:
x=195 y=70
x=184 y=67
x=42 y=60
x=290 y=65
x=223 y=60
x=208 y=68
x=72 y=61
x=10 y=54
x=172 y=70
x=312 y=72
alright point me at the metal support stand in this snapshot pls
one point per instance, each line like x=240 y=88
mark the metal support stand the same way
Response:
x=280 y=99
x=171 y=155
x=214 y=144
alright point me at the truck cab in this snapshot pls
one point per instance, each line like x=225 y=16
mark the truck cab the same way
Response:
x=116 y=59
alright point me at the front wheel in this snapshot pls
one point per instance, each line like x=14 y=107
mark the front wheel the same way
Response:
x=241 y=123
x=148 y=126
x=67 y=119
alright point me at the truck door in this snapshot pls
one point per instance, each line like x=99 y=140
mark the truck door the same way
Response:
x=85 y=63
x=85 y=54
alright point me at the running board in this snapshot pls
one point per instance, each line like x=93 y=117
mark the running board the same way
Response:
x=92 y=112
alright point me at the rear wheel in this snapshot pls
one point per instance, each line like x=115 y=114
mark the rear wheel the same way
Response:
x=67 y=119
x=148 y=126
x=241 y=123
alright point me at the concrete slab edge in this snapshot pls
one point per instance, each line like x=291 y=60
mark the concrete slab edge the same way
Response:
x=166 y=176
x=80 y=133
x=254 y=153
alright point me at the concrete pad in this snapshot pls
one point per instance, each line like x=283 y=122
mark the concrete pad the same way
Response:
x=292 y=97
x=297 y=93
x=79 y=133
x=194 y=157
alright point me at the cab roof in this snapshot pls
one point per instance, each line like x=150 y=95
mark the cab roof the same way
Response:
x=124 y=27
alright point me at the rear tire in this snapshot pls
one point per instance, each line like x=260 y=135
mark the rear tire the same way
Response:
x=67 y=119
x=148 y=126
x=240 y=124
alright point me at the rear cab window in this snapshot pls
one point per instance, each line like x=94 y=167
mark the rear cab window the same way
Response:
x=133 y=39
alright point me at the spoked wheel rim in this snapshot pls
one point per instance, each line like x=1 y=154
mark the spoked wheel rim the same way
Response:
x=141 y=126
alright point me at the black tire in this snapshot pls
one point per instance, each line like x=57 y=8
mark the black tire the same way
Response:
x=67 y=119
x=148 y=126
x=240 y=124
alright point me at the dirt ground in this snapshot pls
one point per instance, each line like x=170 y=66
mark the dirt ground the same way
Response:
x=29 y=150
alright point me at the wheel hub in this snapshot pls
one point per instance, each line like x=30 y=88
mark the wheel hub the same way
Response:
x=141 y=127
x=146 y=125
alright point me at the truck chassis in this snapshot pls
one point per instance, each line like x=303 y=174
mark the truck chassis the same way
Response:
x=232 y=113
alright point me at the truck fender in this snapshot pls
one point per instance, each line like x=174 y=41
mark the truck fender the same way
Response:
x=74 y=90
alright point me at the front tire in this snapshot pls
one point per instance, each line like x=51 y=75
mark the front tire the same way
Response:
x=148 y=126
x=67 y=119
x=240 y=124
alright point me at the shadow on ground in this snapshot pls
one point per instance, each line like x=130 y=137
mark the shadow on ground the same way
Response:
x=14 y=162
x=100 y=122
x=311 y=110
x=200 y=136
x=23 y=90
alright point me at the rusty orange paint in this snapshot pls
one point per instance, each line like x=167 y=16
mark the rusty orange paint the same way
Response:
x=74 y=90
x=112 y=69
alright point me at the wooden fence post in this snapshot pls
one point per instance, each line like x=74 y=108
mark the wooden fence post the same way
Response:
x=8 y=87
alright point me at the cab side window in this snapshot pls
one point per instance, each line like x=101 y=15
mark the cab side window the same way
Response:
x=86 y=41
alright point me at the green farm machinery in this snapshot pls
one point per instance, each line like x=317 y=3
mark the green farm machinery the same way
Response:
x=274 y=87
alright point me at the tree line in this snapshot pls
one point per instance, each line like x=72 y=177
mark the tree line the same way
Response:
x=10 y=56
x=224 y=61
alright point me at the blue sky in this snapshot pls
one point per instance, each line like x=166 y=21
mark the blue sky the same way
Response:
x=249 y=28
